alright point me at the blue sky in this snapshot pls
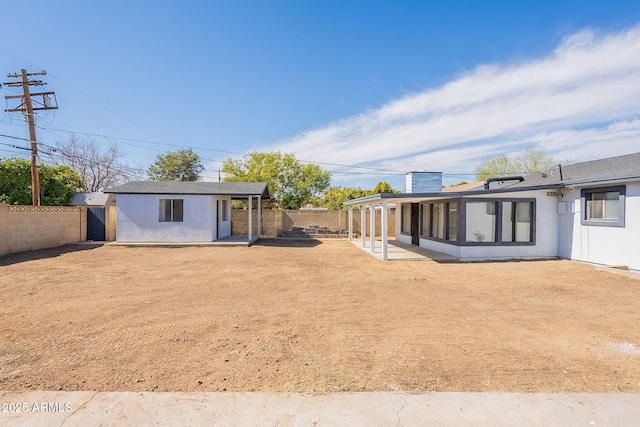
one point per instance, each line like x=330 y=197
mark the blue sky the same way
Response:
x=393 y=86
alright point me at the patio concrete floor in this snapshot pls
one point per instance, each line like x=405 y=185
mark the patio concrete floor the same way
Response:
x=399 y=251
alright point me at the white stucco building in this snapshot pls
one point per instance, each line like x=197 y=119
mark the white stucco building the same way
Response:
x=587 y=211
x=180 y=212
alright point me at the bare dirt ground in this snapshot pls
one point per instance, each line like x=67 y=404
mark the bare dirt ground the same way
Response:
x=324 y=318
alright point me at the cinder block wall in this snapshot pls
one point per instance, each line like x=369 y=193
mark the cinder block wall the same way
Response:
x=275 y=221
x=24 y=228
x=110 y=223
x=304 y=219
x=4 y=229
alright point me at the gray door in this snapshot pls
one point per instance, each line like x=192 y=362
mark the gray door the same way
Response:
x=96 y=224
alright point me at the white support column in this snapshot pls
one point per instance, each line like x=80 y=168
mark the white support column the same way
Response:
x=372 y=229
x=259 y=216
x=250 y=225
x=385 y=231
x=350 y=223
x=363 y=226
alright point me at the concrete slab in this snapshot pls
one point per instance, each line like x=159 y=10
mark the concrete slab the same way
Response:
x=398 y=251
x=634 y=274
x=225 y=241
x=48 y=408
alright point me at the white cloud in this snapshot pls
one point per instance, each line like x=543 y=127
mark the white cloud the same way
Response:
x=580 y=102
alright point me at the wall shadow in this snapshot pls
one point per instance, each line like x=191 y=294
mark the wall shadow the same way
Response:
x=18 y=257
x=288 y=243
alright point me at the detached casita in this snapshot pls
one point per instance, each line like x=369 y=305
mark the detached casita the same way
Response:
x=179 y=212
x=587 y=211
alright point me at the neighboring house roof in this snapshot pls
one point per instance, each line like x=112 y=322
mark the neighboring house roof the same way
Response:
x=233 y=189
x=604 y=171
x=97 y=198
x=464 y=187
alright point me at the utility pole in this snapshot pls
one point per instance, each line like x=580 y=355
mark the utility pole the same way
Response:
x=27 y=108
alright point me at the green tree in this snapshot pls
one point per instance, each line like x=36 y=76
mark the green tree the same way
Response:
x=336 y=196
x=181 y=165
x=57 y=183
x=527 y=162
x=292 y=183
x=383 y=187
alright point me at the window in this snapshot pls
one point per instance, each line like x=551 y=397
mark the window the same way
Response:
x=405 y=226
x=425 y=225
x=437 y=225
x=481 y=222
x=516 y=221
x=440 y=221
x=224 y=214
x=473 y=222
x=171 y=210
x=603 y=206
x=452 y=221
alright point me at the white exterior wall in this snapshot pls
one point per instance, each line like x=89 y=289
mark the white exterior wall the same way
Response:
x=437 y=246
x=601 y=244
x=138 y=219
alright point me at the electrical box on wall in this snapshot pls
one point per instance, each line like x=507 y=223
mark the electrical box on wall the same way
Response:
x=562 y=208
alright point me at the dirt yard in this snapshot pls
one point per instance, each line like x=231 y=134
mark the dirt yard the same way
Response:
x=312 y=318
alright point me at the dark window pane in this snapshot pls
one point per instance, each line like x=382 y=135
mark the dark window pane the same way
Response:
x=177 y=210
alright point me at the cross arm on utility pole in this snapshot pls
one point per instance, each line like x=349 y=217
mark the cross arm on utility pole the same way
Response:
x=27 y=108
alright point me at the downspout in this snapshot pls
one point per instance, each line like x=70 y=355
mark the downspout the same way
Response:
x=504 y=178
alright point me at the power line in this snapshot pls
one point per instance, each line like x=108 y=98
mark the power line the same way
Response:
x=13 y=137
x=215 y=150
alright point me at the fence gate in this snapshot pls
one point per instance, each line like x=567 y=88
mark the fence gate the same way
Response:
x=96 y=224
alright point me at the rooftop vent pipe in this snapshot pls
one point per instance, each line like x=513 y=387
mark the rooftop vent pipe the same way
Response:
x=503 y=178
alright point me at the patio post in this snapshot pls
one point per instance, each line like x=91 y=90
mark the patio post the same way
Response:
x=372 y=229
x=250 y=208
x=385 y=231
x=363 y=226
x=259 y=216
x=350 y=223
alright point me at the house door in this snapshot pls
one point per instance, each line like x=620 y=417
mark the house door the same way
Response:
x=96 y=224
x=415 y=224
x=217 y=220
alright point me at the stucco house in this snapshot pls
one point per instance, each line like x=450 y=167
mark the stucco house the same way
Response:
x=183 y=212
x=587 y=211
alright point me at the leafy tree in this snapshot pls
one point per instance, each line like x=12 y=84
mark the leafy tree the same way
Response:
x=181 y=165
x=99 y=167
x=383 y=187
x=57 y=183
x=292 y=183
x=527 y=162
x=336 y=196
